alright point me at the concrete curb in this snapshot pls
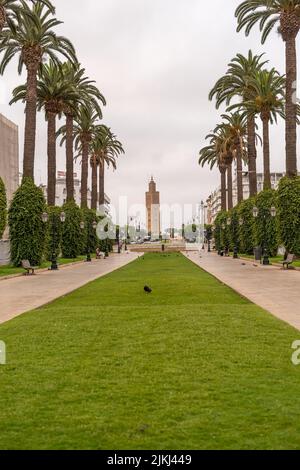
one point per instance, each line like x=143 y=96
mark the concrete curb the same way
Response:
x=41 y=270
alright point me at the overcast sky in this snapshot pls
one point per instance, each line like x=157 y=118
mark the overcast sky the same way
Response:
x=155 y=61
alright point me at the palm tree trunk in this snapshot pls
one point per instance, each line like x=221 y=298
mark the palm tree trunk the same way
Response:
x=223 y=189
x=2 y=17
x=266 y=151
x=69 y=158
x=239 y=175
x=101 y=184
x=84 y=173
x=252 y=156
x=30 y=123
x=94 y=186
x=291 y=108
x=229 y=187
x=51 y=117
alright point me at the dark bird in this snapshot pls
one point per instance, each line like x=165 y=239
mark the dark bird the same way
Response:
x=147 y=289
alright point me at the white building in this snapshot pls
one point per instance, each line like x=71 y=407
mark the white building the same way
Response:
x=61 y=192
x=9 y=155
x=214 y=198
x=9 y=172
x=275 y=178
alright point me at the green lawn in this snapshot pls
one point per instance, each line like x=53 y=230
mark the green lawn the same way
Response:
x=8 y=270
x=193 y=366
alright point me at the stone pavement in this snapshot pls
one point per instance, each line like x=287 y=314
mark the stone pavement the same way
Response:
x=22 y=294
x=269 y=287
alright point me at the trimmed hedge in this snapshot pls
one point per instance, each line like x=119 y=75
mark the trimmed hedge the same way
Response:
x=72 y=236
x=266 y=226
x=3 y=208
x=289 y=213
x=26 y=228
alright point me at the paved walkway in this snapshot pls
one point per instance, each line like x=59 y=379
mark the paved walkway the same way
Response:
x=269 y=287
x=22 y=294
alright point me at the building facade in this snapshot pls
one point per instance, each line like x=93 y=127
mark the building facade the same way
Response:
x=214 y=199
x=61 y=192
x=9 y=155
x=153 y=211
x=275 y=178
x=9 y=172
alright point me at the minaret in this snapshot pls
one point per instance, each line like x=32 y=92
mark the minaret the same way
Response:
x=153 y=210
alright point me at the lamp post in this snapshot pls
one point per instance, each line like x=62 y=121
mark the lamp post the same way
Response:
x=54 y=265
x=222 y=248
x=45 y=217
x=90 y=226
x=272 y=212
x=118 y=239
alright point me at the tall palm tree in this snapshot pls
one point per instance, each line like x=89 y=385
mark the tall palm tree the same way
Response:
x=268 y=101
x=285 y=13
x=89 y=94
x=53 y=93
x=8 y=8
x=111 y=150
x=84 y=130
x=235 y=84
x=94 y=161
x=32 y=39
x=236 y=129
x=218 y=153
x=107 y=149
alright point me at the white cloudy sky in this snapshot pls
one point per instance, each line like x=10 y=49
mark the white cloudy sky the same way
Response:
x=155 y=61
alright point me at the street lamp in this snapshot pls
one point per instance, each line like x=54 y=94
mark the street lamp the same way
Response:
x=272 y=212
x=45 y=217
x=88 y=254
x=62 y=217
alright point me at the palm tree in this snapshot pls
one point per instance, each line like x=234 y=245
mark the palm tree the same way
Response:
x=235 y=125
x=89 y=94
x=53 y=92
x=107 y=149
x=9 y=8
x=285 y=13
x=32 y=39
x=84 y=130
x=218 y=153
x=235 y=84
x=94 y=161
x=268 y=102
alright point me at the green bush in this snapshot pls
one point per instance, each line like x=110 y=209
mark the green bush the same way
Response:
x=266 y=226
x=289 y=214
x=3 y=208
x=72 y=237
x=246 y=236
x=54 y=234
x=27 y=230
